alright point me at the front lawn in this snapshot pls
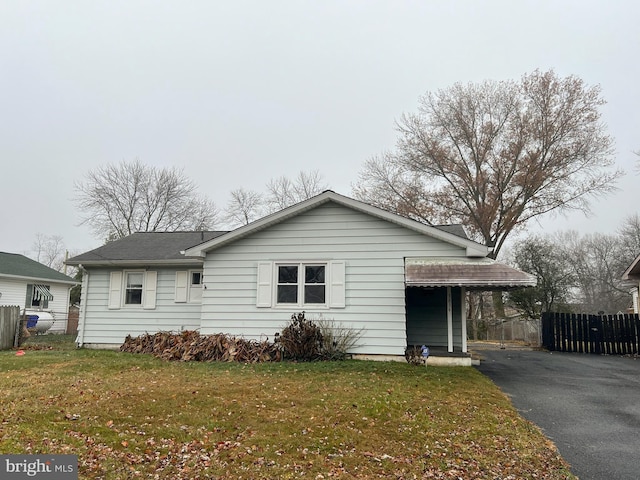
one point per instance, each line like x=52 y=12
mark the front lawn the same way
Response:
x=134 y=416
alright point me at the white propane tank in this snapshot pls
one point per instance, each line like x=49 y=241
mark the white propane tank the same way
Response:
x=45 y=321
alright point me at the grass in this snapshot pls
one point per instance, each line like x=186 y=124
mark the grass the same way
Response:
x=134 y=416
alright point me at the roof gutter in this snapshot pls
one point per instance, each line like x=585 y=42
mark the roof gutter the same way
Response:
x=39 y=279
x=129 y=263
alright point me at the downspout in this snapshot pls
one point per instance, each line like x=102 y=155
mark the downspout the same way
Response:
x=83 y=307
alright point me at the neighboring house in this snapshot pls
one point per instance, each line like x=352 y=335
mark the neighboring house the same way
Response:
x=632 y=274
x=400 y=281
x=36 y=288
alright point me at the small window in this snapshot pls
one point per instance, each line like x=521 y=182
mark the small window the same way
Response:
x=133 y=290
x=196 y=278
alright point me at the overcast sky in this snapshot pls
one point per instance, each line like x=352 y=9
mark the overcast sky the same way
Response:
x=239 y=92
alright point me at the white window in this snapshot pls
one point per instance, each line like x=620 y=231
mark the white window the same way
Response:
x=301 y=284
x=188 y=286
x=132 y=289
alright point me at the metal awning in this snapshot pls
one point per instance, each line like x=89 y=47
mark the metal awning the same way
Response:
x=471 y=273
x=41 y=292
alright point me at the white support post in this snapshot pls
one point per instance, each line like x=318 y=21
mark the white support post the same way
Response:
x=463 y=317
x=449 y=322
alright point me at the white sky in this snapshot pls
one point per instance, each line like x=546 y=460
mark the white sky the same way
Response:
x=239 y=92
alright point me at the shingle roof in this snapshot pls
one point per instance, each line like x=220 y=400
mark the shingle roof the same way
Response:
x=145 y=247
x=16 y=265
x=455 y=229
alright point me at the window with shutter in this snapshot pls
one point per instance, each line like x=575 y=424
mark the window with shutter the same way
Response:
x=301 y=284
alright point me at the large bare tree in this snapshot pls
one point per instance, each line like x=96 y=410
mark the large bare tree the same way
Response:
x=494 y=155
x=117 y=200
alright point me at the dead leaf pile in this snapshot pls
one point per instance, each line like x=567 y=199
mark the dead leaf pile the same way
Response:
x=190 y=345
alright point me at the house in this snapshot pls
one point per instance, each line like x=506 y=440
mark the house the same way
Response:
x=632 y=275
x=35 y=287
x=400 y=281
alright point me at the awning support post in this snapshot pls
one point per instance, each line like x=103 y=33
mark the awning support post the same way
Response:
x=463 y=317
x=449 y=322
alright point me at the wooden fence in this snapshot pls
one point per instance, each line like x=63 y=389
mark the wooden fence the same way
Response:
x=9 y=320
x=600 y=334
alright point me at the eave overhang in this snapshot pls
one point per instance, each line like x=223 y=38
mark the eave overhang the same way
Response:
x=633 y=272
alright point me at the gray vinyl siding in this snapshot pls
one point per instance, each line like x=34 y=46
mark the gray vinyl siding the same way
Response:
x=103 y=327
x=374 y=252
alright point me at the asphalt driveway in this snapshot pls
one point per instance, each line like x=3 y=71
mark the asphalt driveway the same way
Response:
x=588 y=405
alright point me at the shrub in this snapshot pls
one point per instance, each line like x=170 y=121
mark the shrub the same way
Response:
x=316 y=339
x=337 y=340
x=301 y=339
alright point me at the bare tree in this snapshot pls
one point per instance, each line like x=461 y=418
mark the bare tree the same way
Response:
x=494 y=155
x=598 y=261
x=630 y=235
x=49 y=250
x=244 y=207
x=117 y=200
x=283 y=192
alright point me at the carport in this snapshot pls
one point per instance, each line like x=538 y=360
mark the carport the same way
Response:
x=436 y=297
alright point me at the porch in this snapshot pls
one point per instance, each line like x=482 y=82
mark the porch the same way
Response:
x=436 y=301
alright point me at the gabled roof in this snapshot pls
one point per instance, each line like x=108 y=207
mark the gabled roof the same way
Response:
x=472 y=273
x=18 y=266
x=145 y=248
x=633 y=272
x=445 y=234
